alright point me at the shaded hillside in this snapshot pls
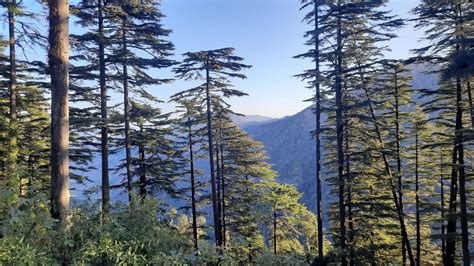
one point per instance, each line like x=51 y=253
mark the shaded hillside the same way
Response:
x=291 y=150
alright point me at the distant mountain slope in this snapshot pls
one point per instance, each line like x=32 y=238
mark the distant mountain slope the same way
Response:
x=291 y=150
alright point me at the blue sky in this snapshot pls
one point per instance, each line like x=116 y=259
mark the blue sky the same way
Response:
x=267 y=33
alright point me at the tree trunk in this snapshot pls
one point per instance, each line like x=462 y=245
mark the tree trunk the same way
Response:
x=340 y=138
x=217 y=224
x=193 y=185
x=462 y=176
x=319 y=207
x=13 y=127
x=450 y=252
x=103 y=113
x=371 y=241
x=219 y=184
x=417 y=203
x=460 y=145
x=58 y=68
x=399 y=160
x=250 y=253
x=224 y=225
x=141 y=155
x=126 y=107
x=443 y=240
x=274 y=229
x=349 y=197
x=469 y=95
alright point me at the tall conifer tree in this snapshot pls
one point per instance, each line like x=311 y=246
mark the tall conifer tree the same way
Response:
x=446 y=25
x=315 y=18
x=137 y=45
x=215 y=67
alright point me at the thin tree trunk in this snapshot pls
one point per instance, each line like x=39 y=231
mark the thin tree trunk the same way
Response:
x=218 y=180
x=274 y=229
x=58 y=67
x=141 y=156
x=443 y=240
x=371 y=241
x=459 y=143
x=193 y=185
x=462 y=176
x=349 y=197
x=469 y=95
x=224 y=225
x=319 y=207
x=340 y=140
x=13 y=127
x=401 y=219
x=103 y=113
x=217 y=224
x=450 y=252
x=417 y=203
x=31 y=171
x=126 y=107
x=399 y=160
x=250 y=252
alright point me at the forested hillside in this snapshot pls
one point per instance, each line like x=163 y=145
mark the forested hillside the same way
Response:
x=96 y=168
x=292 y=135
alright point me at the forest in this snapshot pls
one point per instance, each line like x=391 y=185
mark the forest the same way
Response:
x=191 y=186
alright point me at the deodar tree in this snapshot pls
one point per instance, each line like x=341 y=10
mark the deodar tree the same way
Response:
x=137 y=45
x=315 y=40
x=215 y=68
x=448 y=28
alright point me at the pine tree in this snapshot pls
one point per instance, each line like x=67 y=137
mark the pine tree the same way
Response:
x=355 y=30
x=92 y=46
x=396 y=83
x=287 y=219
x=33 y=131
x=444 y=24
x=82 y=123
x=243 y=167
x=421 y=167
x=156 y=159
x=137 y=45
x=13 y=153
x=215 y=67
x=23 y=35
x=315 y=42
x=373 y=232
x=191 y=124
x=34 y=135
x=224 y=131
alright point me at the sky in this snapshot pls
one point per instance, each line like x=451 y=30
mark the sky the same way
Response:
x=267 y=33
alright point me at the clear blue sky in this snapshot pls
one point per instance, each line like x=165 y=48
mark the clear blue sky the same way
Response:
x=267 y=33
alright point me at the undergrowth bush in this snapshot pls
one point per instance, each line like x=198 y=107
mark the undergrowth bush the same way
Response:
x=130 y=235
